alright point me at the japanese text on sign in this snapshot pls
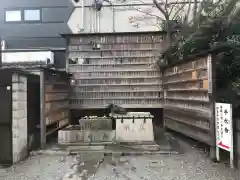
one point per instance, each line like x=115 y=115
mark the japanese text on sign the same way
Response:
x=223 y=117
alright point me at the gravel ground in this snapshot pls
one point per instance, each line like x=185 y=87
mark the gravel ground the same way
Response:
x=39 y=167
x=54 y=167
x=192 y=165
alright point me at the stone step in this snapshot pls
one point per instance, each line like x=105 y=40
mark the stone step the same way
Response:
x=143 y=147
x=87 y=144
x=127 y=153
x=106 y=152
x=83 y=148
x=137 y=143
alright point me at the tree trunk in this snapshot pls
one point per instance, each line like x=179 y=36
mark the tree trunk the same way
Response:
x=168 y=42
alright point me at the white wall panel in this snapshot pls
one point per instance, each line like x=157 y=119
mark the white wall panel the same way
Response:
x=11 y=57
x=111 y=19
x=107 y=21
x=114 y=2
x=144 y=14
x=123 y=23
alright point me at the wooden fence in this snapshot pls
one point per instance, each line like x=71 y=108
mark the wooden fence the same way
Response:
x=187 y=89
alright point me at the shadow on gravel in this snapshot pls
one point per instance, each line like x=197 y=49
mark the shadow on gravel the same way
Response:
x=183 y=143
x=166 y=140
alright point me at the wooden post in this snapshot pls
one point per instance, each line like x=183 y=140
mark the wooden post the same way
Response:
x=212 y=99
x=1 y=49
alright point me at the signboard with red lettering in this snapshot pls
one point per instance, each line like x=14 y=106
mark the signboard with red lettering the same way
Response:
x=224 y=128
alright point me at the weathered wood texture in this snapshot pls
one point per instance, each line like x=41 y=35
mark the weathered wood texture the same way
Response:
x=187 y=108
x=116 y=69
x=56 y=100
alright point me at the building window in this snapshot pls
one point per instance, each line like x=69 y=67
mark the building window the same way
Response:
x=13 y=16
x=32 y=15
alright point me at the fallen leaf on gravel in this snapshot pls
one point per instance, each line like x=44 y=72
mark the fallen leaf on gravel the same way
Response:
x=154 y=164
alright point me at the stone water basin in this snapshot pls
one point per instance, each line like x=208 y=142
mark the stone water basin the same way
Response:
x=75 y=134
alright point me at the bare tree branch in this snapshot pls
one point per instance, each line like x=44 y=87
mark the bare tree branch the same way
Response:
x=166 y=7
x=195 y=8
x=234 y=12
x=149 y=14
x=186 y=20
x=160 y=8
x=174 y=5
x=178 y=11
x=198 y=12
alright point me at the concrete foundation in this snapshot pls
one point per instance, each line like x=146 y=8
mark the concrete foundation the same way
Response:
x=134 y=127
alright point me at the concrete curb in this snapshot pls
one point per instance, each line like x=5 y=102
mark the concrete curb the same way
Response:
x=106 y=153
x=49 y=152
x=148 y=148
x=87 y=144
x=119 y=153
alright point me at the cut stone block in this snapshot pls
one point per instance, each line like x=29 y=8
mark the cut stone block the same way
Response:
x=95 y=123
x=19 y=118
x=69 y=135
x=134 y=127
x=99 y=136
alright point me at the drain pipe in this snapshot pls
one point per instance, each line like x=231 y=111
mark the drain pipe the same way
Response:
x=82 y=15
x=92 y=19
x=96 y=21
x=113 y=10
x=99 y=13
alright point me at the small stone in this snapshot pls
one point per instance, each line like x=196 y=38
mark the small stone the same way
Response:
x=83 y=173
x=113 y=163
x=134 y=169
x=62 y=159
x=76 y=177
x=115 y=172
x=72 y=165
x=69 y=175
x=91 y=177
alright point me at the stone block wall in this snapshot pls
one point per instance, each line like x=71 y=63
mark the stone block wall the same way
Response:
x=19 y=117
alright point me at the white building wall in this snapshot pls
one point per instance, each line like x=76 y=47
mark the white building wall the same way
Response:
x=30 y=56
x=112 y=18
x=116 y=17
